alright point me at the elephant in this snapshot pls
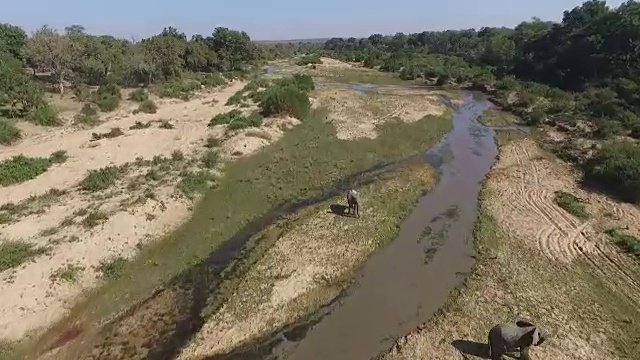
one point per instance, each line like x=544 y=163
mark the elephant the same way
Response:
x=353 y=199
x=509 y=337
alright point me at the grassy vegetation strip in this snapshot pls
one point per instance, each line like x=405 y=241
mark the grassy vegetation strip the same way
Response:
x=389 y=199
x=21 y=168
x=307 y=160
x=571 y=204
x=16 y=253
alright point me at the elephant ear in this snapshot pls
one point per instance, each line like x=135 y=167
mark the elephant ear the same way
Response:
x=524 y=323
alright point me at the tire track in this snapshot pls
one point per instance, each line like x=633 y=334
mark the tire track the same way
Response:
x=564 y=238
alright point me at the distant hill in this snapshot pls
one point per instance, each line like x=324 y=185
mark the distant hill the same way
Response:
x=293 y=41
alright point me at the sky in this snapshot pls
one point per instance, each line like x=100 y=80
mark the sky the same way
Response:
x=279 y=19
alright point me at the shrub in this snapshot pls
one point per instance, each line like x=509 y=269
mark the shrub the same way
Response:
x=69 y=273
x=139 y=95
x=288 y=100
x=628 y=243
x=236 y=120
x=113 y=267
x=109 y=89
x=113 y=133
x=193 y=183
x=616 y=168
x=9 y=133
x=309 y=59
x=211 y=80
x=571 y=204
x=100 y=179
x=179 y=89
x=165 y=124
x=94 y=219
x=21 y=168
x=210 y=159
x=140 y=125
x=44 y=115
x=212 y=142
x=235 y=99
x=58 y=157
x=147 y=107
x=108 y=103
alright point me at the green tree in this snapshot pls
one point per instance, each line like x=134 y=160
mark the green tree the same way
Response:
x=12 y=40
x=54 y=52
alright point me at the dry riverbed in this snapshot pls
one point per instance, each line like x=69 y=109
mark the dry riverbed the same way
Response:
x=79 y=222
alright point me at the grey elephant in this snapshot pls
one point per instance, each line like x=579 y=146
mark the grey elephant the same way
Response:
x=353 y=199
x=510 y=337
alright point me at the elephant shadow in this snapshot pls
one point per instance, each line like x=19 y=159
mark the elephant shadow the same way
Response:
x=338 y=209
x=479 y=350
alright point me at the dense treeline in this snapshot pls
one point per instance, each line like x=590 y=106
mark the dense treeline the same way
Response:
x=31 y=65
x=587 y=67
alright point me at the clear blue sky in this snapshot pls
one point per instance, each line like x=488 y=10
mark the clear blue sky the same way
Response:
x=279 y=19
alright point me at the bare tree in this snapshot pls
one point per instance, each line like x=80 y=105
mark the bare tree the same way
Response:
x=54 y=52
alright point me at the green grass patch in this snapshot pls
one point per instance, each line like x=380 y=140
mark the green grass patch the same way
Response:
x=571 y=204
x=112 y=268
x=101 y=179
x=195 y=183
x=235 y=120
x=16 y=253
x=627 y=242
x=21 y=168
x=307 y=160
x=495 y=117
x=9 y=133
x=69 y=273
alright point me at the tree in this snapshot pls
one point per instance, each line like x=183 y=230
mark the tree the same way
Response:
x=53 y=52
x=234 y=48
x=12 y=40
x=17 y=92
x=164 y=52
x=198 y=56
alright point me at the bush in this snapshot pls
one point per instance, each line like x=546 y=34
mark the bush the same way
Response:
x=112 y=268
x=179 y=89
x=44 y=115
x=284 y=100
x=139 y=95
x=616 y=168
x=139 y=125
x=210 y=159
x=108 y=89
x=21 y=168
x=108 y=103
x=58 y=157
x=211 y=80
x=147 y=107
x=628 y=243
x=114 y=132
x=100 y=179
x=9 y=133
x=212 y=142
x=571 y=204
x=309 y=59
x=235 y=120
x=235 y=99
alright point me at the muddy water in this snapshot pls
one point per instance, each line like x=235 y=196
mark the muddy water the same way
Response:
x=403 y=285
